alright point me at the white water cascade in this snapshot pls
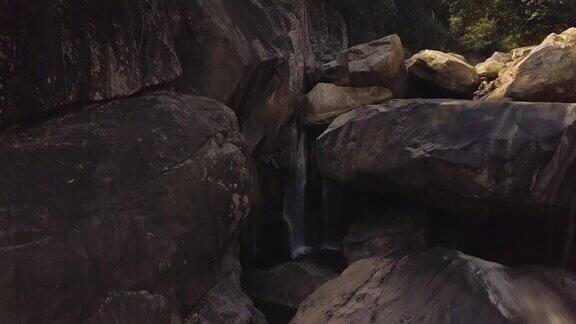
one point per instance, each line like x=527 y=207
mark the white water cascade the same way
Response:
x=295 y=196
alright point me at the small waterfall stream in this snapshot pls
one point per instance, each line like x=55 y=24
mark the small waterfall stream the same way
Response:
x=294 y=209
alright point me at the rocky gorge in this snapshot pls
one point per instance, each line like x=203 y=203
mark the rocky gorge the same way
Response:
x=235 y=161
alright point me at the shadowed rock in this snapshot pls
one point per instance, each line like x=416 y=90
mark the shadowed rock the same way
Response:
x=434 y=74
x=469 y=157
x=379 y=63
x=135 y=307
x=226 y=302
x=442 y=286
x=287 y=285
x=86 y=51
x=392 y=231
x=139 y=194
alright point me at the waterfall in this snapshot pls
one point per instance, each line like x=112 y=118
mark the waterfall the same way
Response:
x=295 y=196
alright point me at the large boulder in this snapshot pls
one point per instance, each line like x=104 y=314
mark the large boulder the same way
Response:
x=442 y=286
x=546 y=73
x=490 y=68
x=487 y=154
x=434 y=74
x=87 y=51
x=139 y=194
x=250 y=55
x=378 y=63
x=327 y=101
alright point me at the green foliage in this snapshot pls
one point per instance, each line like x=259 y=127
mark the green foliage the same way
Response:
x=418 y=22
x=490 y=25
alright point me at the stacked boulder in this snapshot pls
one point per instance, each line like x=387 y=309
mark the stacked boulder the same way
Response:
x=434 y=74
x=364 y=74
x=546 y=72
x=502 y=168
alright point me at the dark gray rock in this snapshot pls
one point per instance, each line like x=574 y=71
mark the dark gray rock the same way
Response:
x=442 y=286
x=473 y=158
x=135 y=307
x=56 y=53
x=250 y=55
x=139 y=194
x=287 y=285
x=226 y=302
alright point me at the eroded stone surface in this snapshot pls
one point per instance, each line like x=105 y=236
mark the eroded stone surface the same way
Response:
x=469 y=157
x=87 y=51
x=139 y=194
x=378 y=63
x=442 y=286
x=546 y=72
x=434 y=74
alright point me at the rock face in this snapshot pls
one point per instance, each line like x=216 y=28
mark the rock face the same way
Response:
x=378 y=63
x=250 y=55
x=442 y=286
x=546 y=73
x=72 y=57
x=287 y=285
x=226 y=303
x=492 y=66
x=393 y=231
x=472 y=158
x=327 y=30
x=135 y=308
x=434 y=74
x=327 y=101
x=139 y=194
x=521 y=52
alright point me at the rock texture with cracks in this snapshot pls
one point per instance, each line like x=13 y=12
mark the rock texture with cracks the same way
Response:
x=442 y=286
x=487 y=159
x=140 y=194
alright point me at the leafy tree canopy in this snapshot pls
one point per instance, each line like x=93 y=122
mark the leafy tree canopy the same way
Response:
x=490 y=25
